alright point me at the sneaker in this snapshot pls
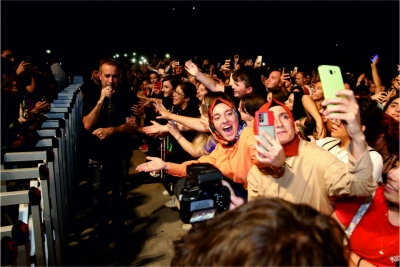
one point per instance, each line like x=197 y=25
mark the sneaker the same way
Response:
x=172 y=203
x=186 y=226
x=144 y=148
x=165 y=193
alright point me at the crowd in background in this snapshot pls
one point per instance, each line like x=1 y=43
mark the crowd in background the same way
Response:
x=205 y=113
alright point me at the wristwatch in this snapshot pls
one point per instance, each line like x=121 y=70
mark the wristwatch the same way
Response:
x=278 y=171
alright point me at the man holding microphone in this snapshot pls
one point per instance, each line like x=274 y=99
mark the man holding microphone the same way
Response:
x=109 y=125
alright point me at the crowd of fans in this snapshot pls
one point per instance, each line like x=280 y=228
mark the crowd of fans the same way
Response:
x=339 y=159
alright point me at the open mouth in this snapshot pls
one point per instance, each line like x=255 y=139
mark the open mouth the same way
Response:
x=227 y=129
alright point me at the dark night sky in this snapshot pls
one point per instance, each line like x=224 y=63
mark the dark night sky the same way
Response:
x=300 y=33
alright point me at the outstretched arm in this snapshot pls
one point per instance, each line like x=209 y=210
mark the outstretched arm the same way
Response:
x=375 y=76
x=208 y=82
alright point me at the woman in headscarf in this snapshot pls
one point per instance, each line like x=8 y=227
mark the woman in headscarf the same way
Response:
x=234 y=154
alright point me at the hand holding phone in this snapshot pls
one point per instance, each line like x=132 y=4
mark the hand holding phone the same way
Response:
x=331 y=79
x=264 y=122
x=374 y=58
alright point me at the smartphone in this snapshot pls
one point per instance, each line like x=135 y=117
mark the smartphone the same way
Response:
x=161 y=71
x=218 y=65
x=28 y=59
x=374 y=58
x=264 y=122
x=295 y=69
x=331 y=79
x=43 y=98
x=302 y=131
x=204 y=110
x=259 y=59
x=177 y=63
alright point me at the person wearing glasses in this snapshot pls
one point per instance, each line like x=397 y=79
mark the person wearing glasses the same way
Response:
x=338 y=143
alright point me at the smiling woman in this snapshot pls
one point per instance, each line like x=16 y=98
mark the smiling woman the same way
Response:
x=234 y=154
x=375 y=232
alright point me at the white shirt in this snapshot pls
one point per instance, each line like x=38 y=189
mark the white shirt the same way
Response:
x=332 y=145
x=58 y=73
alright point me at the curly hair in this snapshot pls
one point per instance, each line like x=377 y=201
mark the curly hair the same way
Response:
x=266 y=232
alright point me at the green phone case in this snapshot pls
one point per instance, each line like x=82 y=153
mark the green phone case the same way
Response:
x=331 y=79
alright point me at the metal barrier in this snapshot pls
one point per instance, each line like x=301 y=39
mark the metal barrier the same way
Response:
x=61 y=144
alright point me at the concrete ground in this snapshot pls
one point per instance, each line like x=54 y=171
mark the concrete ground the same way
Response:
x=151 y=227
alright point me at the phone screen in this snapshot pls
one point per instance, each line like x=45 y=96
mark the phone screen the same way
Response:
x=331 y=79
x=374 y=58
x=265 y=123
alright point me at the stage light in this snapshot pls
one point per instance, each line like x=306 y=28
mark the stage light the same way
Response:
x=48 y=51
x=125 y=55
x=134 y=53
x=167 y=55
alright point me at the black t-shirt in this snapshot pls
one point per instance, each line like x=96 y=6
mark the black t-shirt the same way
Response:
x=91 y=87
x=178 y=154
x=113 y=113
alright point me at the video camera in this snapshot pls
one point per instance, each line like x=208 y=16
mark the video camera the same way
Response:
x=203 y=195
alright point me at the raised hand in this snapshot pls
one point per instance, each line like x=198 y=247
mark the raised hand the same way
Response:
x=345 y=108
x=375 y=62
x=273 y=154
x=191 y=68
x=22 y=67
x=164 y=113
x=380 y=97
x=155 y=164
x=42 y=106
x=153 y=130
x=173 y=129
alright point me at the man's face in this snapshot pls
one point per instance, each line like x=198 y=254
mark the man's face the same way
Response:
x=239 y=89
x=178 y=69
x=300 y=79
x=284 y=127
x=109 y=76
x=153 y=78
x=273 y=80
x=96 y=75
x=8 y=55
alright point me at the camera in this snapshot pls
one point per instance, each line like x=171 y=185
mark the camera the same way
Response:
x=203 y=195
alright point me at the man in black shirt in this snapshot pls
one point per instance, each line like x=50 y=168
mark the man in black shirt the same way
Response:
x=105 y=116
x=94 y=85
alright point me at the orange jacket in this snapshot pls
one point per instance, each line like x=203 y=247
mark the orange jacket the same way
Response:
x=234 y=162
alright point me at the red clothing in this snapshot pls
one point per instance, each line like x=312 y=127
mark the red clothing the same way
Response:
x=234 y=162
x=374 y=232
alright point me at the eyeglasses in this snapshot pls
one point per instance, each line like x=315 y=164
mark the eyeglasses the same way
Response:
x=337 y=122
x=176 y=92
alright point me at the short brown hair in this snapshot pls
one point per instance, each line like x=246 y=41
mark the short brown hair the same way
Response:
x=111 y=62
x=264 y=232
